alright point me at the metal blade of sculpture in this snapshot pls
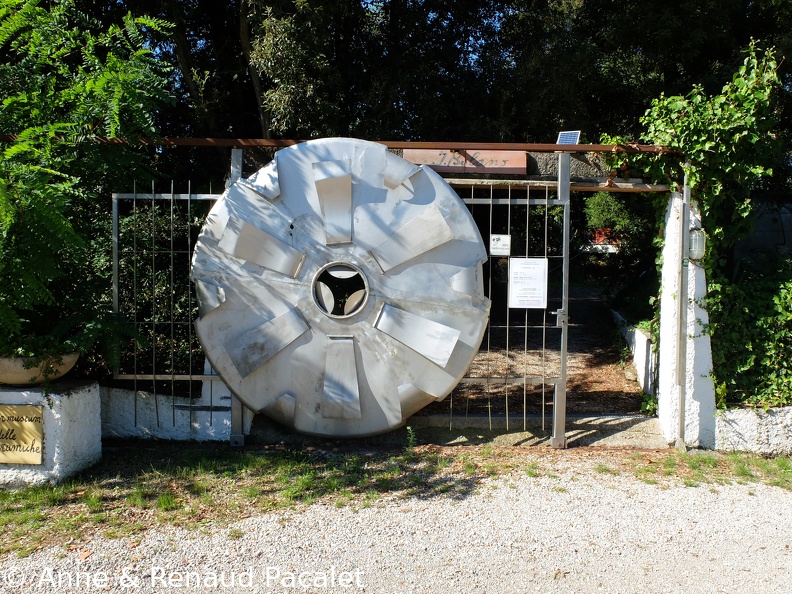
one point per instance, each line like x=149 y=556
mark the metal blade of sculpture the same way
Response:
x=340 y=288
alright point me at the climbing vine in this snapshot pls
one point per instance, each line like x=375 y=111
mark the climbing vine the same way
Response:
x=724 y=141
x=724 y=144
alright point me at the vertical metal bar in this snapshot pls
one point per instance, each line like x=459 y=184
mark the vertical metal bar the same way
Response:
x=489 y=330
x=237 y=411
x=508 y=323
x=467 y=400
x=525 y=335
x=682 y=305
x=115 y=257
x=236 y=166
x=154 y=301
x=558 y=439
x=135 y=293
x=544 y=322
x=172 y=313
x=116 y=280
x=189 y=307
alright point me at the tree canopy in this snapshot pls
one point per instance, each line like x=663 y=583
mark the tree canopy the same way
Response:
x=65 y=80
x=441 y=70
x=454 y=70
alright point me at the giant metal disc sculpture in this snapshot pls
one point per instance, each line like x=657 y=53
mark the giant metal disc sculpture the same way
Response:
x=340 y=288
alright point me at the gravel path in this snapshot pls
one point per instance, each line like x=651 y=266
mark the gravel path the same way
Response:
x=570 y=530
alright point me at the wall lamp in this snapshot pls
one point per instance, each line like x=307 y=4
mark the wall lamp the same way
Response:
x=698 y=244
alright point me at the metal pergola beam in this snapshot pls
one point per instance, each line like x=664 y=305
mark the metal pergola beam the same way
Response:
x=576 y=185
x=392 y=144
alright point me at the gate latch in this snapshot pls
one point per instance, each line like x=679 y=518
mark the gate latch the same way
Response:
x=561 y=318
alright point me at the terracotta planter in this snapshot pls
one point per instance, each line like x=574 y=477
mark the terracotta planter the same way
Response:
x=12 y=370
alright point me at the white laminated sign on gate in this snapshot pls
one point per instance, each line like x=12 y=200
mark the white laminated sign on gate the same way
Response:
x=528 y=283
x=500 y=245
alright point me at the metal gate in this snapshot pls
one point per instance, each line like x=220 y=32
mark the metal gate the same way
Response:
x=523 y=358
x=520 y=369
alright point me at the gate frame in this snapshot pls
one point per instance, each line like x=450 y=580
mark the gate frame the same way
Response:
x=563 y=185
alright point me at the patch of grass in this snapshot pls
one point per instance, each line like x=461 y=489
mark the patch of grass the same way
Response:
x=167 y=502
x=697 y=467
x=669 y=465
x=93 y=500
x=743 y=470
x=251 y=491
x=469 y=466
x=140 y=485
x=139 y=496
x=701 y=460
x=603 y=469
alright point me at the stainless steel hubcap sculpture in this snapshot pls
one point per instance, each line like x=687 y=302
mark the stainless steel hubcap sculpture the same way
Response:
x=340 y=288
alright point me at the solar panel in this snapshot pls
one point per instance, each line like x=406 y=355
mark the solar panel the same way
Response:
x=569 y=137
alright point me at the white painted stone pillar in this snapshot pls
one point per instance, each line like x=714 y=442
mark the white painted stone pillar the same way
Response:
x=72 y=431
x=699 y=387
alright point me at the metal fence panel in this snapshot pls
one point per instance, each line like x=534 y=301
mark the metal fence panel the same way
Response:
x=521 y=365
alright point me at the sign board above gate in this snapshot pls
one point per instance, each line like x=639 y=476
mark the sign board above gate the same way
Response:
x=462 y=161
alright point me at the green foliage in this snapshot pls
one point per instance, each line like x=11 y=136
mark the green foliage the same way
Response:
x=633 y=221
x=156 y=239
x=502 y=70
x=63 y=82
x=409 y=448
x=630 y=272
x=649 y=405
x=751 y=325
x=379 y=69
x=292 y=52
x=605 y=211
x=725 y=143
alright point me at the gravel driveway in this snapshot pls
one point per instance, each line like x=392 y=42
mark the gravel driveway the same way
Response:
x=572 y=529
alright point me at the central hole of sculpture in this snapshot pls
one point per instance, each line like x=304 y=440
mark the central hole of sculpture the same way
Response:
x=340 y=290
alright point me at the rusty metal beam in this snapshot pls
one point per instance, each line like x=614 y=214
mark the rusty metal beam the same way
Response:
x=395 y=144
x=577 y=185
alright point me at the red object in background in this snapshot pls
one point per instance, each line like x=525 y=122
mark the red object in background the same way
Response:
x=604 y=236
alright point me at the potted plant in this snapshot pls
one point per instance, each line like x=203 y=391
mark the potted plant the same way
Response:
x=65 y=83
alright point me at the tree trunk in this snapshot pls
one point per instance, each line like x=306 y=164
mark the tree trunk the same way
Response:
x=247 y=48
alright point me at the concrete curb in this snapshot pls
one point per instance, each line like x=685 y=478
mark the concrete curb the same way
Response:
x=764 y=432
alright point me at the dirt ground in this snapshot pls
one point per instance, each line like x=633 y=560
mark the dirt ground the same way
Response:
x=599 y=380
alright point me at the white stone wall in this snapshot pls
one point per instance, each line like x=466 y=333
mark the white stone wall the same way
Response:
x=699 y=388
x=764 y=432
x=142 y=414
x=72 y=433
x=644 y=357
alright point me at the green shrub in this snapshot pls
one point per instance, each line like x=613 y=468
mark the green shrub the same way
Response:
x=751 y=330
x=65 y=81
x=726 y=143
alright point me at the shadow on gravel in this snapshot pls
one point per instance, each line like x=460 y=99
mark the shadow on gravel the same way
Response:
x=280 y=475
x=143 y=484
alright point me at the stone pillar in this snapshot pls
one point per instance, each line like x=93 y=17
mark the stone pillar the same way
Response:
x=72 y=431
x=699 y=387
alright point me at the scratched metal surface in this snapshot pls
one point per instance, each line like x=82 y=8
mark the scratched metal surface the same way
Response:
x=340 y=288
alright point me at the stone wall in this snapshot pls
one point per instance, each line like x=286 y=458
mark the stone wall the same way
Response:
x=764 y=432
x=72 y=432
